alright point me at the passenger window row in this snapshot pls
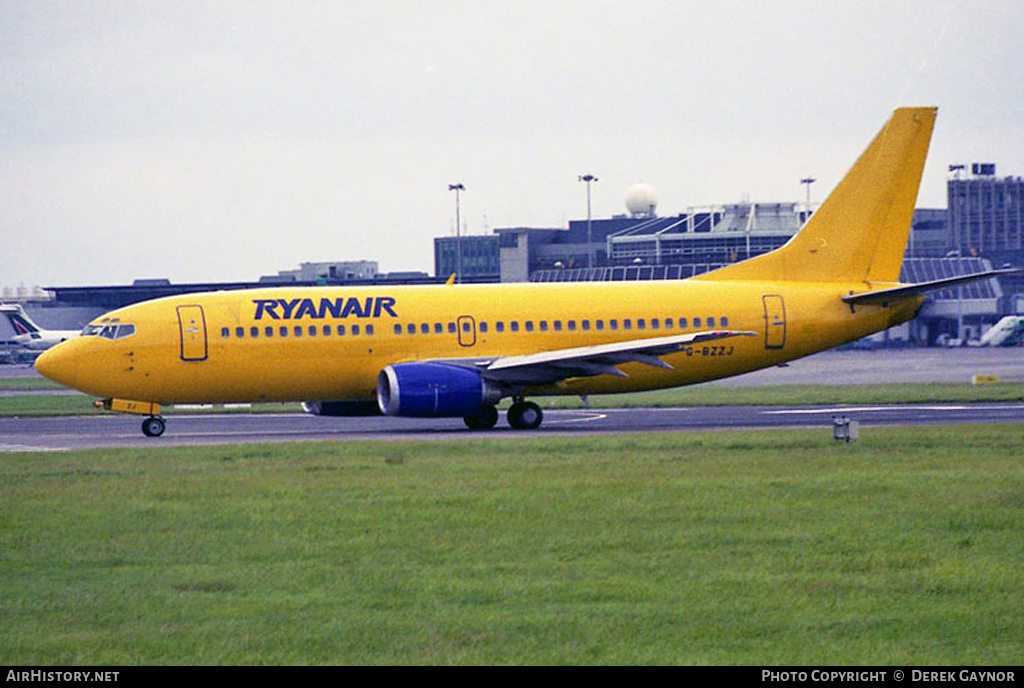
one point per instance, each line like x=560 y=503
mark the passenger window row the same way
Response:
x=500 y=326
x=600 y=324
x=270 y=331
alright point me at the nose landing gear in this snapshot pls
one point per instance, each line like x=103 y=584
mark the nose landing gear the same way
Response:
x=153 y=426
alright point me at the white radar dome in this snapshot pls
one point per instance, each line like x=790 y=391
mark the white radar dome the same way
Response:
x=641 y=200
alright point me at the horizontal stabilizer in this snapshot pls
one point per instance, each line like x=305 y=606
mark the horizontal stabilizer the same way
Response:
x=885 y=296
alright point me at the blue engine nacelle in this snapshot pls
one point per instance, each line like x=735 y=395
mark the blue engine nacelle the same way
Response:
x=433 y=390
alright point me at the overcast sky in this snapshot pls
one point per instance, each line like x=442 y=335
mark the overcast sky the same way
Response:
x=210 y=141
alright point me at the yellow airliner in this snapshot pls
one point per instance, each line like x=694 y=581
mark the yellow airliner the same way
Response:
x=456 y=350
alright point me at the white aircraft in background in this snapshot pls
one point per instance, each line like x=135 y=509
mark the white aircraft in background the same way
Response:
x=1006 y=332
x=29 y=335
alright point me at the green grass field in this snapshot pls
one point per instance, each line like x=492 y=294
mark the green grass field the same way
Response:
x=774 y=547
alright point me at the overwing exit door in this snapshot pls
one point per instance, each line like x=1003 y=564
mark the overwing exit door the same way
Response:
x=192 y=325
x=467 y=330
x=774 y=321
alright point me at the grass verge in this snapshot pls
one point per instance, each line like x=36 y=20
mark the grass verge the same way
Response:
x=775 y=547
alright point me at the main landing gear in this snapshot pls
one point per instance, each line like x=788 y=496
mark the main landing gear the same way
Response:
x=153 y=426
x=484 y=420
x=525 y=415
x=522 y=415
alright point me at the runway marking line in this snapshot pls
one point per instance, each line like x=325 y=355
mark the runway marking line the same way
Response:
x=10 y=448
x=900 y=407
x=587 y=419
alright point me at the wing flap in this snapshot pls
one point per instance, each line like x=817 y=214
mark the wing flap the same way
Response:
x=601 y=359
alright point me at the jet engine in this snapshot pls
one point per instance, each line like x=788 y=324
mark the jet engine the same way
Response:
x=434 y=390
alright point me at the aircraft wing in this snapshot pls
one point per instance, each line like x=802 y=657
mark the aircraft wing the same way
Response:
x=551 y=366
x=885 y=296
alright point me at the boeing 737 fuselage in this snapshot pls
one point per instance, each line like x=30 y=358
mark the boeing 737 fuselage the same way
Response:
x=457 y=350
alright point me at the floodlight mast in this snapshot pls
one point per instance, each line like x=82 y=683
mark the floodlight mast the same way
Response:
x=458 y=188
x=588 y=178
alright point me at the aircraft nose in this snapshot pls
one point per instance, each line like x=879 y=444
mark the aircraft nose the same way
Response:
x=59 y=365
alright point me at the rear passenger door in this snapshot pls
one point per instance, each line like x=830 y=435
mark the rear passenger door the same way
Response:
x=774 y=321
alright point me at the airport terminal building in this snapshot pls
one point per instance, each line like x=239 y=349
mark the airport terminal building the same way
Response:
x=980 y=229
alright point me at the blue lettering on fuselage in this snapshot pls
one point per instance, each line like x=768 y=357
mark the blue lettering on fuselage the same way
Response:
x=295 y=309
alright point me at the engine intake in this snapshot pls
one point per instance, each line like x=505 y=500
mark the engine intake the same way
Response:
x=433 y=390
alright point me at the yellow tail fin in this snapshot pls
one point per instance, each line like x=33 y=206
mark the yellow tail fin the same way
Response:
x=860 y=232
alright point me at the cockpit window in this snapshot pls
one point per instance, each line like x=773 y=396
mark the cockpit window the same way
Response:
x=109 y=331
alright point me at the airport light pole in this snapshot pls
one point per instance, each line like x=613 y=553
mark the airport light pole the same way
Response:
x=588 y=178
x=807 y=181
x=458 y=188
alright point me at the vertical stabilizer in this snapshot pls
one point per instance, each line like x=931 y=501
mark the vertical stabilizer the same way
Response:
x=860 y=232
x=20 y=322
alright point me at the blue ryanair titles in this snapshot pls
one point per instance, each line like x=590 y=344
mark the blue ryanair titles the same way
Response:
x=294 y=309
